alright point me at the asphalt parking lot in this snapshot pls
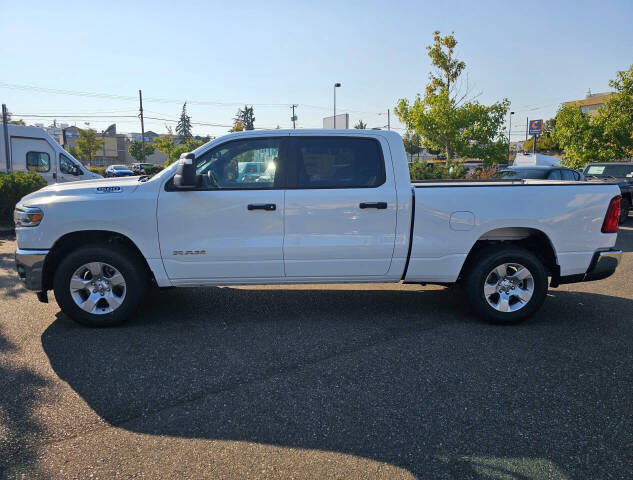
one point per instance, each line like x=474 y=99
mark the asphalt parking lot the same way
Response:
x=373 y=381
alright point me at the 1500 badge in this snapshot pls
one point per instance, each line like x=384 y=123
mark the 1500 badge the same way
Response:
x=190 y=252
x=108 y=189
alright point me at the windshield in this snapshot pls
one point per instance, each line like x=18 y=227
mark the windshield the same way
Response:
x=520 y=173
x=609 y=171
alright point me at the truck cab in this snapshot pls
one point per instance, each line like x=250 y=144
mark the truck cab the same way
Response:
x=32 y=149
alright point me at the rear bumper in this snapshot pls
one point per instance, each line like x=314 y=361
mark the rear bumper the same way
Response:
x=603 y=265
x=30 y=267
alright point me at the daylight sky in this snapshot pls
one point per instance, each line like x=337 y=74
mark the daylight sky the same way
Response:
x=272 y=54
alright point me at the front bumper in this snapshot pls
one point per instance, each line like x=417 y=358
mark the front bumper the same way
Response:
x=603 y=265
x=30 y=267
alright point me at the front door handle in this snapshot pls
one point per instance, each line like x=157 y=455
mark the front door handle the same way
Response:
x=378 y=205
x=262 y=206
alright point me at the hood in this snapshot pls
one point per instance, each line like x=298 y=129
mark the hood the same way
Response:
x=98 y=186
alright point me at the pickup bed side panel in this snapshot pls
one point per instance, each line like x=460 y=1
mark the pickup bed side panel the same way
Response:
x=450 y=219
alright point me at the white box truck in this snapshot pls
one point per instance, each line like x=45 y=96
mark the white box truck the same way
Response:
x=25 y=149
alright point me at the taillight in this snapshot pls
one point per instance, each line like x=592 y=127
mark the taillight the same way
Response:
x=610 y=224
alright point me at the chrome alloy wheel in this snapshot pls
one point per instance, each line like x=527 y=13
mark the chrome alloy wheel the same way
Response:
x=509 y=287
x=97 y=288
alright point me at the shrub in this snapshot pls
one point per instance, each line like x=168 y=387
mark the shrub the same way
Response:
x=153 y=170
x=99 y=170
x=424 y=171
x=14 y=186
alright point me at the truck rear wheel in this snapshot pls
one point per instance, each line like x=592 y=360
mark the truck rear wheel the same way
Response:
x=100 y=286
x=506 y=285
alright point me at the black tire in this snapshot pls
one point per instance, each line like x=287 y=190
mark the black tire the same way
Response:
x=128 y=264
x=625 y=206
x=479 y=270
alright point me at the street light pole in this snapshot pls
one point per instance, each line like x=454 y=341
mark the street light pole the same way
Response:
x=335 y=85
x=509 y=135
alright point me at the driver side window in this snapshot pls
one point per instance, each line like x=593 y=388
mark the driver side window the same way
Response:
x=241 y=164
x=66 y=165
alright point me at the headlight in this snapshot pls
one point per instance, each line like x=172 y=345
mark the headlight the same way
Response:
x=27 y=216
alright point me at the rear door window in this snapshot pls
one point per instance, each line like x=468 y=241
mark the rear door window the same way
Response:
x=554 y=175
x=338 y=162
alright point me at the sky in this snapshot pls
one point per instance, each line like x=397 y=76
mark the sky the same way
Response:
x=272 y=54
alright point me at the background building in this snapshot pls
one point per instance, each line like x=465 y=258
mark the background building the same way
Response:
x=591 y=103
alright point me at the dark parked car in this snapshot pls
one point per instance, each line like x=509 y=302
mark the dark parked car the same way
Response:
x=540 y=173
x=617 y=172
x=139 y=168
x=119 y=171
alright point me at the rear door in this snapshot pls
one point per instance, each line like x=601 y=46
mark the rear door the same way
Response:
x=340 y=207
x=34 y=155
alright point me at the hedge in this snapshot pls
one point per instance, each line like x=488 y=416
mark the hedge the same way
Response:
x=99 y=170
x=14 y=186
x=153 y=170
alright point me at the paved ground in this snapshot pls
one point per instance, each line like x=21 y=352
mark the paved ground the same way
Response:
x=375 y=381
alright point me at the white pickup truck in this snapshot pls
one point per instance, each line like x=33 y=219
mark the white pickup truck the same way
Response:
x=322 y=207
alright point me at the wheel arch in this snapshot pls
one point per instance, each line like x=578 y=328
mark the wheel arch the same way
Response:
x=531 y=239
x=70 y=241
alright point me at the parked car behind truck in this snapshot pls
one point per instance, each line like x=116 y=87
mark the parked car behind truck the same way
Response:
x=620 y=173
x=339 y=207
x=32 y=149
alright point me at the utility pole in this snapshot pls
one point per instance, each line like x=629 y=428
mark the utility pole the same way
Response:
x=294 y=117
x=509 y=135
x=5 y=128
x=140 y=99
x=388 y=120
x=336 y=85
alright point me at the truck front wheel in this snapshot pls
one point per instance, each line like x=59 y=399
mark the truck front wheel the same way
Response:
x=506 y=284
x=99 y=286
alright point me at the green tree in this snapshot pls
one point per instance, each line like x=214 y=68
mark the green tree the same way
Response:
x=88 y=144
x=183 y=127
x=360 y=125
x=237 y=127
x=136 y=150
x=165 y=143
x=607 y=135
x=445 y=119
x=246 y=117
x=412 y=142
x=186 y=147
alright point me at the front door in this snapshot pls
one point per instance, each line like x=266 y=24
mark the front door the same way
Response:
x=34 y=155
x=231 y=226
x=341 y=210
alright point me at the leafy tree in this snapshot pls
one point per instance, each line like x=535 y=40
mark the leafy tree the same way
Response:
x=88 y=144
x=412 y=143
x=136 y=150
x=606 y=136
x=237 y=127
x=444 y=118
x=246 y=117
x=188 y=146
x=360 y=125
x=183 y=128
x=165 y=143
x=13 y=122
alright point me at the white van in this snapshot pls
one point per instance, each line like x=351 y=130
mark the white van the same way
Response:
x=32 y=149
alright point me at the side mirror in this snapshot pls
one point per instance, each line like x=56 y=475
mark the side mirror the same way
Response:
x=186 y=178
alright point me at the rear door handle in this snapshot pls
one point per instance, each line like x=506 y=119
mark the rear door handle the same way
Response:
x=378 y=205
x=262 y=206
